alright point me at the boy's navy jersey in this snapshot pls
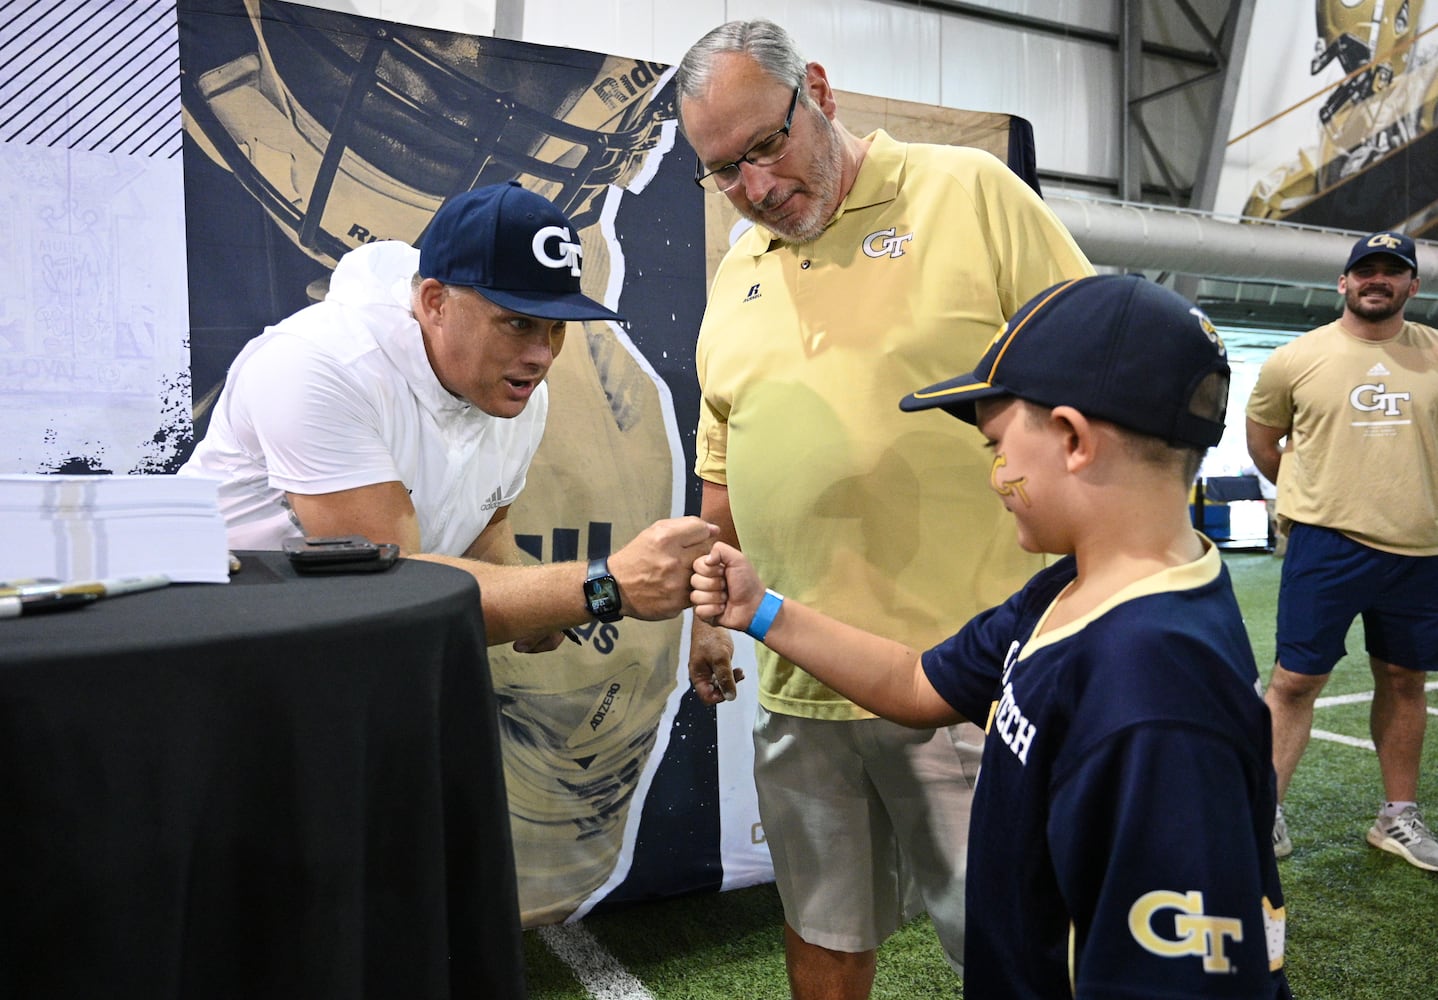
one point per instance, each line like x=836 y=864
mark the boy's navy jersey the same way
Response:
x=1120 y=843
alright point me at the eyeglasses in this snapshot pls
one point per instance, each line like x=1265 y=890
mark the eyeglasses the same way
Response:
x=764 y=153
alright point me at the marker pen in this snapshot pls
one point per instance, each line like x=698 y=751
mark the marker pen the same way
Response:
x=10 y=588
x=40 y=596
x=34 y=604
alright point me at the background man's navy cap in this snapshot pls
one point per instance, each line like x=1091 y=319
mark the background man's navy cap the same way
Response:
x=514 y=247
x=1391 y=244
x=1115 y=347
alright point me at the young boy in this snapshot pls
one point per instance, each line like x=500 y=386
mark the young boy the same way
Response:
x=1119 y=844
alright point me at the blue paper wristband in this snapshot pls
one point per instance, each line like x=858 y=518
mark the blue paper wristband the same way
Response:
x=764 y=617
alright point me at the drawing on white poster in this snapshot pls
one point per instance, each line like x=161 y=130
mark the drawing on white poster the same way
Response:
x=94 y=357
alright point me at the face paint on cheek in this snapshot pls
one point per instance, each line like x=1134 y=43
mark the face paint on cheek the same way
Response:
x=1007 y=487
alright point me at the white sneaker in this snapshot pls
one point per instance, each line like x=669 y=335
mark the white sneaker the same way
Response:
x=1282 y=846
x=1406 y=836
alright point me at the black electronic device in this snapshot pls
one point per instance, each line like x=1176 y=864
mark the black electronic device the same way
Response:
x=339 y=554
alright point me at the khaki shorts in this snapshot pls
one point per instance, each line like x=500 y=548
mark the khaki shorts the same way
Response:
x=867 y=825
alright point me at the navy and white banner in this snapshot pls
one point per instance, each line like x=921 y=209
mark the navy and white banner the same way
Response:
x=309 y=132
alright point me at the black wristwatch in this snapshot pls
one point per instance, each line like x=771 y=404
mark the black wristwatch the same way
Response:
x=601 y=591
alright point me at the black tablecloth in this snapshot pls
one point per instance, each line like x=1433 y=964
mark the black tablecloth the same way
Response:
x=278 y=787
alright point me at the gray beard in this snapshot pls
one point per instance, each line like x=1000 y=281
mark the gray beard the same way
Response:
x=823 y=185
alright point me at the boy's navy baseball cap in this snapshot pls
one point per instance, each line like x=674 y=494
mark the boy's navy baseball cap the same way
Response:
x=1115 y=347
x=514 y=247
x=1390 y=244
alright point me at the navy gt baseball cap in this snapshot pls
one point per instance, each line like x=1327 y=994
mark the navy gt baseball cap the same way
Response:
x=1392 y=244
x=1115 y=347
x=514 y=247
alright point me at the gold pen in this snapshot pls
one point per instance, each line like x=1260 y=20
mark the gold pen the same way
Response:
x=115 y=585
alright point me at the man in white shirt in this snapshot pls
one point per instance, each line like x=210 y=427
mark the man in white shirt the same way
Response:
x=407 y=406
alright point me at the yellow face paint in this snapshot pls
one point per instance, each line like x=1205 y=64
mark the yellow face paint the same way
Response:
x=1007 y=487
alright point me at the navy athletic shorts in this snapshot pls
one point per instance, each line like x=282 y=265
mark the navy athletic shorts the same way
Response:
x=1329 y=579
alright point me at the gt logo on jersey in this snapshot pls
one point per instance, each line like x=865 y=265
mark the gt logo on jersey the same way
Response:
x=569 y=252
x=1377 y=399
x=1194 y=932
x=886 y=243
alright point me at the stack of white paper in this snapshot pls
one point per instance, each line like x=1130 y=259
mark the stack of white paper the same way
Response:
x=98 y=527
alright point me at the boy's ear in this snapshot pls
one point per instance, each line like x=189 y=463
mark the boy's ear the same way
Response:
x=1080 y=437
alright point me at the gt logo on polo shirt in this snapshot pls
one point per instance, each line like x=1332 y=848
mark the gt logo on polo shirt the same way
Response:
x=1194 y=932
x=886 y=243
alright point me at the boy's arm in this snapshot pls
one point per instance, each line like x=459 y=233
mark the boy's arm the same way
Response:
x=878 y=674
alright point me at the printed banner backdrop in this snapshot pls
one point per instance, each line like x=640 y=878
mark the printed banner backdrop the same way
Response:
x=1338 y=128
x=177 y=177
x=309 y=132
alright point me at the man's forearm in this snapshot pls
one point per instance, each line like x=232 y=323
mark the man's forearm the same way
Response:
x=651 y=571
x=520 y=601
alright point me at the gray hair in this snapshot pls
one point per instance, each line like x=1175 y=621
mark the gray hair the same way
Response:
x=763 y=41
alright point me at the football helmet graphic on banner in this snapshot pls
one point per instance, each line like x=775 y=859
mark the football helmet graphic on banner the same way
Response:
x=345 y=130
x=349 y=136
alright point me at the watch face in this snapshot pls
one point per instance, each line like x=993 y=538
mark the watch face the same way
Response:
x=602 y=594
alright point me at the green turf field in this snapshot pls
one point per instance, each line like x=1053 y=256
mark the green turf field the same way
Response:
x=1362 y=924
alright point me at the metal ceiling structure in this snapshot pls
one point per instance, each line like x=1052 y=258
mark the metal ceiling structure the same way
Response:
x=1252 y=273
x=1175 y=67
x=1179 y=64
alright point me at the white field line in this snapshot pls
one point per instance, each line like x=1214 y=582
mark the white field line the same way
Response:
x=1323 y=734
x=597 y=971
x=1353 y=699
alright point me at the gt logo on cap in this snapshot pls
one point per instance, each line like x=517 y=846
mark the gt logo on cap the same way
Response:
x=1385 y=240
x=569 y=252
